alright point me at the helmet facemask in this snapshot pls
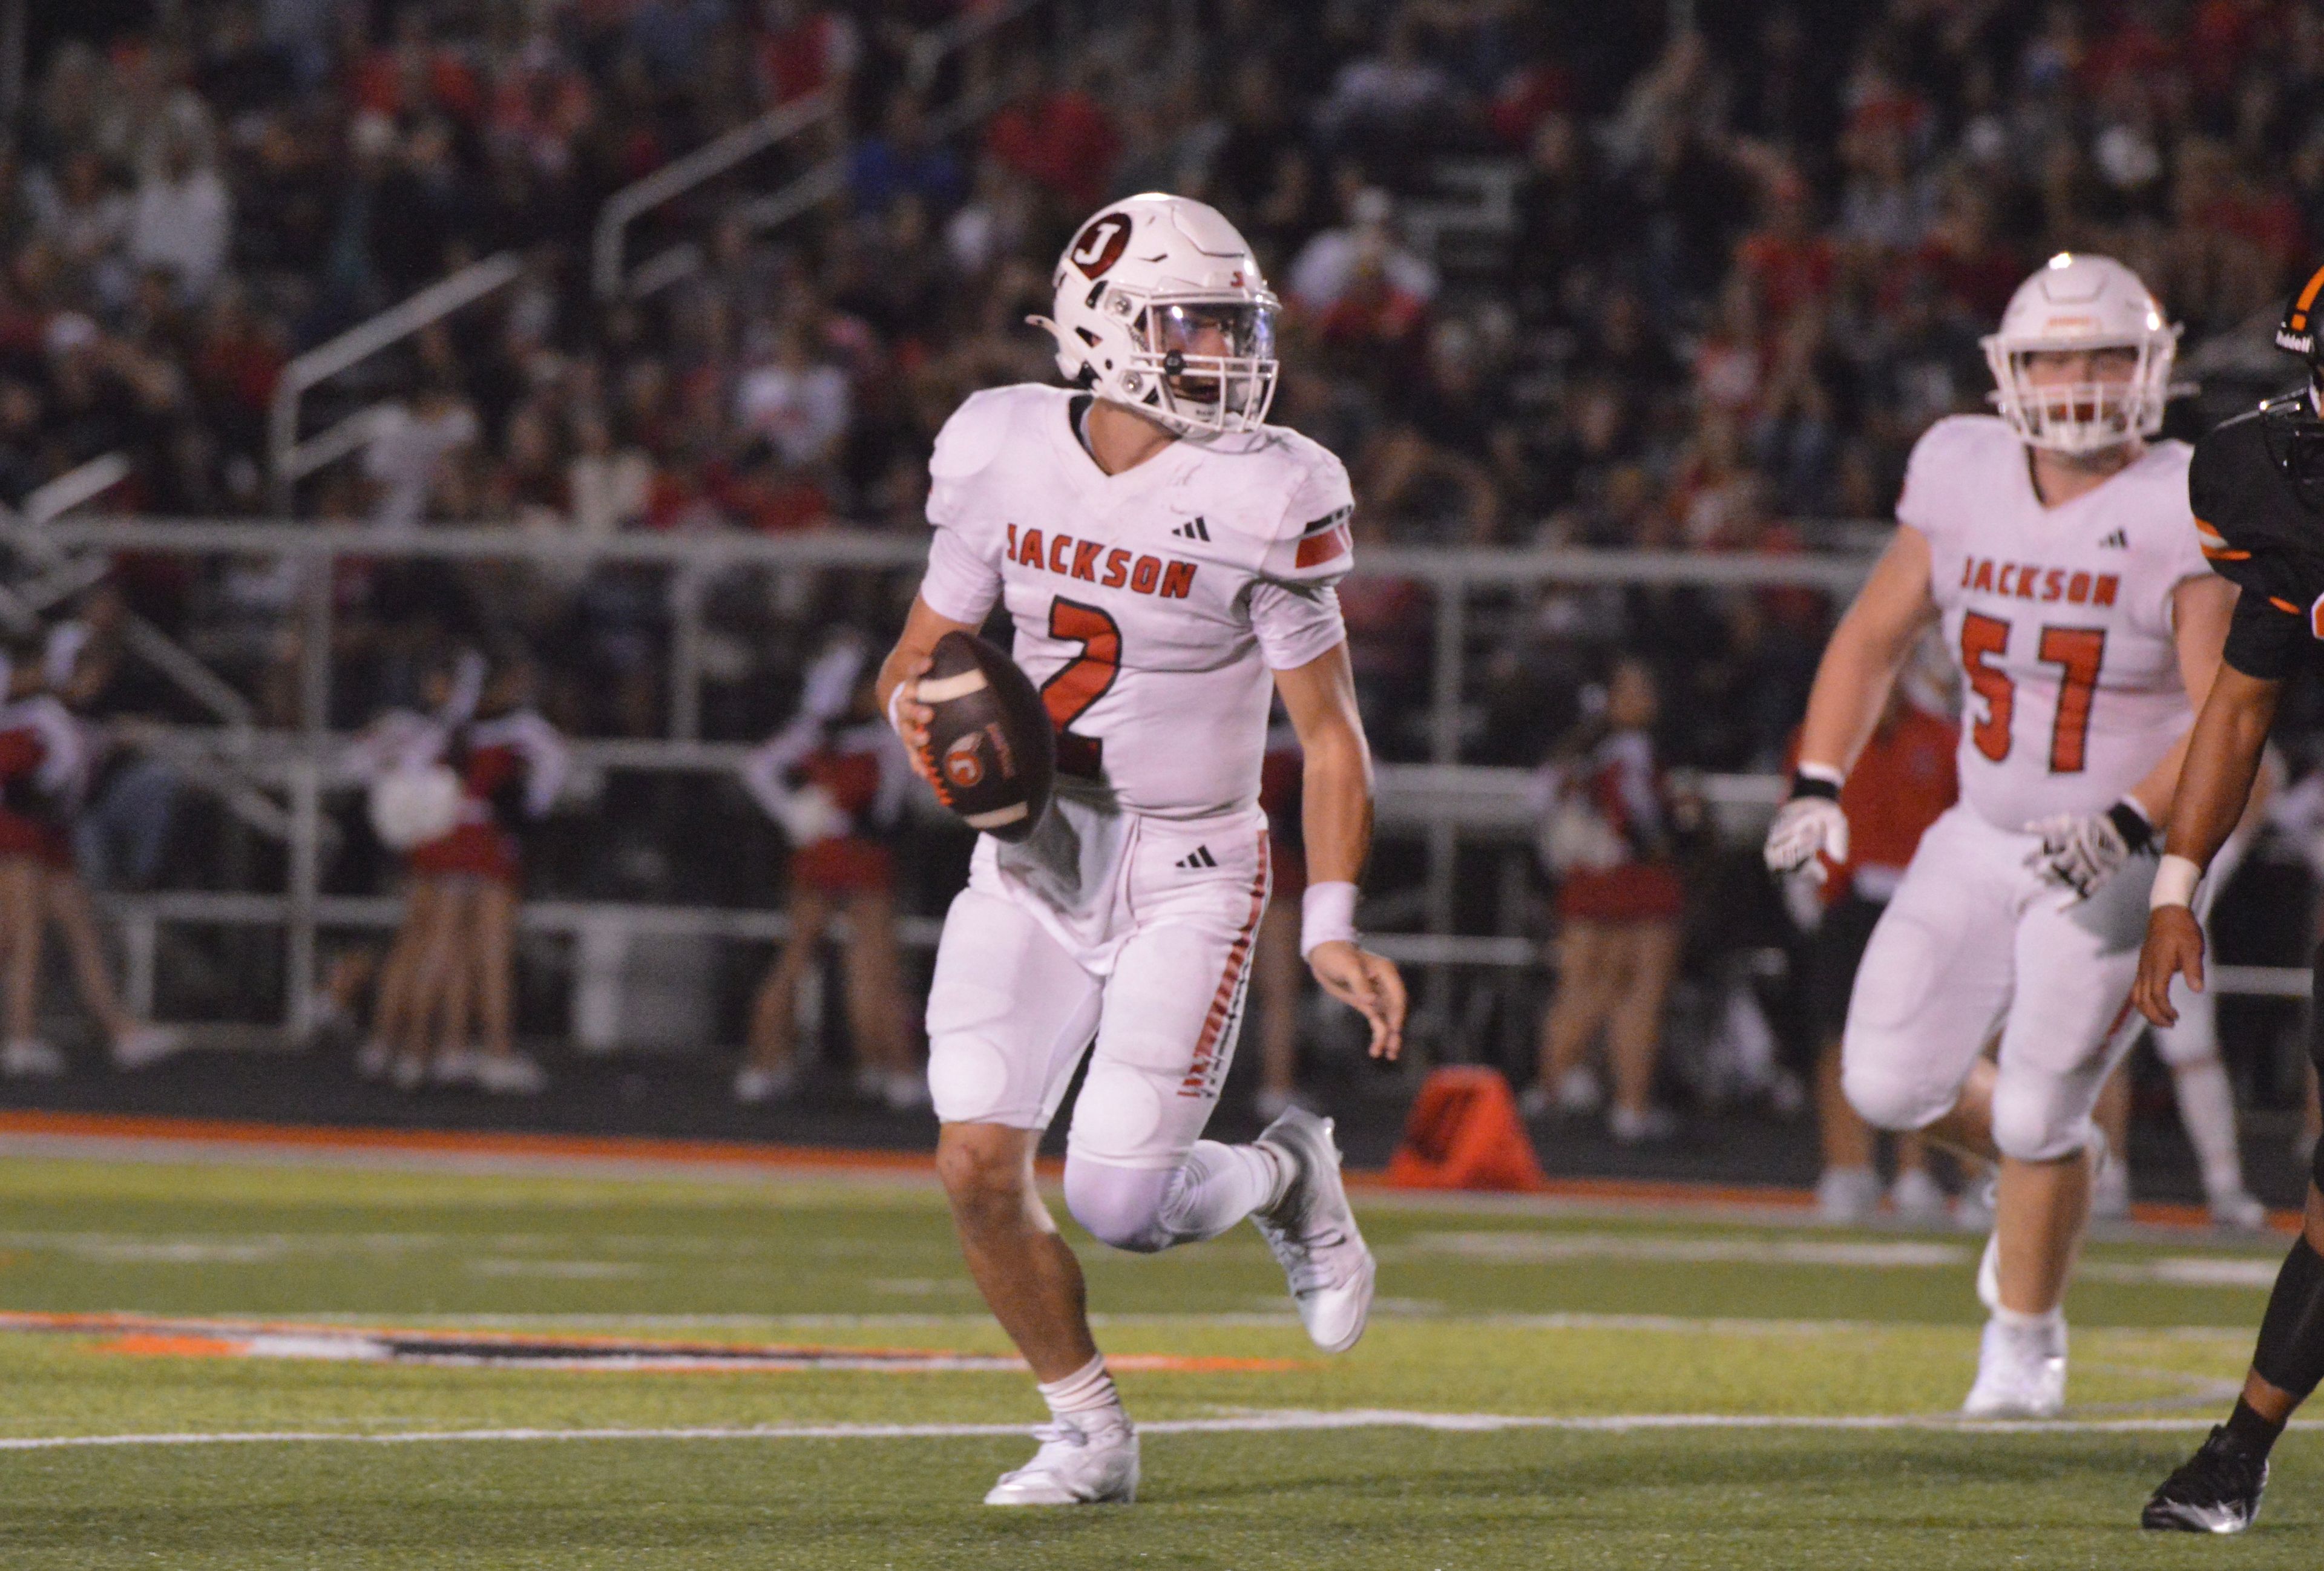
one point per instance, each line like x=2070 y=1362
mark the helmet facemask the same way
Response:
x=1202 y=365
x=2083 y=416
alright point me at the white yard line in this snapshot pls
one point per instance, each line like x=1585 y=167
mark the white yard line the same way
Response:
x=1262 y=1422
x=1268 y=1320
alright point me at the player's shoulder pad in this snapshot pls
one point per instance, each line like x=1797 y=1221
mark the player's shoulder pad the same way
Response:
x=1294 y=502
x=2159 y=488
x=1962 y=438
x=2252 y=528
x=980 y=428
x=1943 y=470
x=2231 y=479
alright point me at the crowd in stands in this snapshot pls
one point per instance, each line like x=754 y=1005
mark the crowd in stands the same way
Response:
x=1742 y=266
x=1747 y=264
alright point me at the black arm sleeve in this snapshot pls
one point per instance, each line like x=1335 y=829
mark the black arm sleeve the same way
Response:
x=2263 y=640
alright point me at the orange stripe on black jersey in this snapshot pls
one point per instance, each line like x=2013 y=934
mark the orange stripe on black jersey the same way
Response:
x=2306 y=299
x=2280 y=603
x=2214 y=545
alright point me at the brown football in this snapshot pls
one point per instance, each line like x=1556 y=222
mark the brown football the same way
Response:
x=991 y=750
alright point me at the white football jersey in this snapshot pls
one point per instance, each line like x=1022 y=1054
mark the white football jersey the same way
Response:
x=1151 y=606
x=2059 y=617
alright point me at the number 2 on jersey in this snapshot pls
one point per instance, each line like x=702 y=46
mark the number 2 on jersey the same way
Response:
x=2077 y=651
x=1083 y=681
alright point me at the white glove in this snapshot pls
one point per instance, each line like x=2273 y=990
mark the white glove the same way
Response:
x=1811 y=821
x=2081 y=851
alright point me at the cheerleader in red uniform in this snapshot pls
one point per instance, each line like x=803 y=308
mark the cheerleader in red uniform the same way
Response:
x=415 y=798
x=834 y=778
x=510 y=764
x=1612 y=830
x=44 y=765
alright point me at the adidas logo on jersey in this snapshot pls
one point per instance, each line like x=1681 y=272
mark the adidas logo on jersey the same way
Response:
x=2118 y=541
x=1192 y=529
x=1199 y=857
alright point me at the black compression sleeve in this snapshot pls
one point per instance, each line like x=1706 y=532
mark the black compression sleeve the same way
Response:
x=2291 y=1352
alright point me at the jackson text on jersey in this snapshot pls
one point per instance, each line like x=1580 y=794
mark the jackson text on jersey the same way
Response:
x=1079 y=558
x=2044 y=585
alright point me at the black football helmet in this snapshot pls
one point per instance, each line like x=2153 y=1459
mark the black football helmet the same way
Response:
x=2295 y=432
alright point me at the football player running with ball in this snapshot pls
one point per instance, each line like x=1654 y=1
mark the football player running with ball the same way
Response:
x=2257 y=485
x=1169 y=560
x=2056 y=545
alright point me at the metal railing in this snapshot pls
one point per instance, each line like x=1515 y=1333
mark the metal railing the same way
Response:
x=1442 y=803
x=827 y=178
x=300 y=761
x=76 y=487
x=681 y=175
x=289 y=460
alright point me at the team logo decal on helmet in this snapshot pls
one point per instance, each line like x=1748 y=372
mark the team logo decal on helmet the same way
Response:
x=2092 y=304
x=1100 y=245
x=2297 y=331
x=1160 y=306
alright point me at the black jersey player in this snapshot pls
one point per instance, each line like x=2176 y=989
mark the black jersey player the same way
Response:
x=2258 y=486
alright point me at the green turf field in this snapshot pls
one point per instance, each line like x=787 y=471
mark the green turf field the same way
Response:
x=1488 y=1313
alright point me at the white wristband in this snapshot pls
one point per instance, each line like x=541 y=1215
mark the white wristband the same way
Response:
x=2175 y=882
x=1327 y=914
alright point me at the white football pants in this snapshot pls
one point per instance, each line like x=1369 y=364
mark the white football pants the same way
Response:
x=1976 y=940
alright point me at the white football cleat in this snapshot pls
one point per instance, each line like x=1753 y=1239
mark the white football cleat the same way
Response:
x=145 y=1044
x=1312 y=1233
x=1096 y=1466
x=2020 y=1373
x=29 y=1057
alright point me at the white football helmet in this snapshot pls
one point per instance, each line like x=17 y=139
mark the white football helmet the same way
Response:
x=2082 y=302
x=1160 y=307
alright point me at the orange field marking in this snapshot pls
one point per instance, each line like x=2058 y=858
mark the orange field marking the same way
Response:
x=148 y=1336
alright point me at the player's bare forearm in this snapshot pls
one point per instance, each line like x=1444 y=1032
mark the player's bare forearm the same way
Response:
x=1867 y=650
x=1335 y=818
x=2223 y=758
x=1335 y=804
x=905 y=662
x=1336 y=823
